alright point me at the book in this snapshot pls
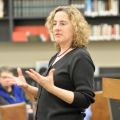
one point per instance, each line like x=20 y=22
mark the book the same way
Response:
x=1 y=8
x=30 y=33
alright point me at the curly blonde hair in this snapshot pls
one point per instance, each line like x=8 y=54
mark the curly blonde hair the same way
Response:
x=81 y=28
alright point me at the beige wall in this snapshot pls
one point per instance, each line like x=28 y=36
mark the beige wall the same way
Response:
x=105 y=53
x=26 y=54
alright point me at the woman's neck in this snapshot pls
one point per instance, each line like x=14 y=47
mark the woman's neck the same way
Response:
x=64 y=47
x=63 y=52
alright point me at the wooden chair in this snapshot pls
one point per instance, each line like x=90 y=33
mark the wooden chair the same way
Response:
x=101 y=108
x=111 y=88
x=13 y=112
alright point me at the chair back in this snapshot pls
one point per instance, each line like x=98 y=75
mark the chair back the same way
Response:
x=100 y=108
x=111 y=88
x=13 y=112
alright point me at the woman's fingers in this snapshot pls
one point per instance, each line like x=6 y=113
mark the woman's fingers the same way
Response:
x=32 y=75
x=19 y=71
x=35 y=73
x=46 y=82
x=20 y=75
x=36 y=76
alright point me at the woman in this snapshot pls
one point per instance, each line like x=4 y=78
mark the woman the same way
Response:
x=67 y=87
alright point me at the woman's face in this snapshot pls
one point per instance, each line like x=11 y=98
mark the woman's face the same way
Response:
x=62 y=28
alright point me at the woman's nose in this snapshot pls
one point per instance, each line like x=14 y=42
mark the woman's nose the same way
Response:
x=57 y=26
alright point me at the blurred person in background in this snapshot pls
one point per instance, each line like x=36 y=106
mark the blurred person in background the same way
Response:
x=9 y=94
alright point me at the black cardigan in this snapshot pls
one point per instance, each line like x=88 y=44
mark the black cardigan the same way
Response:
x=74 y=72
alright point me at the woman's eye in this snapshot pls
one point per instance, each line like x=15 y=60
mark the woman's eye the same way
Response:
x=63 y=23
x=54 y=24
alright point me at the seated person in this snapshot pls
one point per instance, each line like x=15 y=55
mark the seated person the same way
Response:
x=9 y=94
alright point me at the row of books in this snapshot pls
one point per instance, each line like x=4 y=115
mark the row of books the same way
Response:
x=102 y=7
x=41 y=8
x=35 y=8
x=1 y=8
x=40 y=33
x=97 y=7
x=105 y=32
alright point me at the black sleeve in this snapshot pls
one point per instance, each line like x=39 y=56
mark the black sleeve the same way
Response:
x=82 y=76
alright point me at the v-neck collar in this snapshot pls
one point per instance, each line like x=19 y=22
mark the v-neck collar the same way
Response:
x=60 y=58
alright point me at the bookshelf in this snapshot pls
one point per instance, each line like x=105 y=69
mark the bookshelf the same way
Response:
x=102 y=15
x=23 y=20
x=4 y=21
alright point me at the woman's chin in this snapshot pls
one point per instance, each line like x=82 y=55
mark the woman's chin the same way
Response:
x=58 y=40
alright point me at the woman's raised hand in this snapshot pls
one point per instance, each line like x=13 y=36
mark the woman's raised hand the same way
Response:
x=21 y=79
x=46 y=82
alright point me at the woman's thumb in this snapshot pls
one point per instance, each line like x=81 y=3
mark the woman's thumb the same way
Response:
x=51 y=71
x=19 y=72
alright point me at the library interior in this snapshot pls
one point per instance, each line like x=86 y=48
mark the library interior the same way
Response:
x=25 y=42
